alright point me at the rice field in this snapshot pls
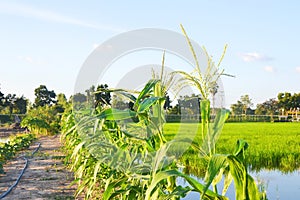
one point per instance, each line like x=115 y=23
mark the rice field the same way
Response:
x=271 y=145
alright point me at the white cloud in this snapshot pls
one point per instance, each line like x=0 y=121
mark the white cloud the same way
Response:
x=46 y=15
x=270 y=69
x=298 y=69
x=30 y=60
x=249 y=57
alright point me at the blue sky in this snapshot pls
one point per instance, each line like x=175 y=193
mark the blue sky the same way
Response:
x=46 y=42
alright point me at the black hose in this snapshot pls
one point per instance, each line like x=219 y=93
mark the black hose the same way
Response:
x=21 y=174
x=36 y=149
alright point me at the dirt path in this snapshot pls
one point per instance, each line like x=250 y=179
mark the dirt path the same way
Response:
x=46 y=176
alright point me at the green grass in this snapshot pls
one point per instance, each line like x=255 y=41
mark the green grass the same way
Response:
x=271 y=145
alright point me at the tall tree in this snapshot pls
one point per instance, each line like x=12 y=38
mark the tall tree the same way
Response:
x=247 y=103
x=242 y=106
x=13 y=104
x=78 y=98
x=284 y=100
x=43 y=96
x=61 y=103
x=10 y=100
x=296 y=100
x=21 y=105
x=237 y=108
x=288 y=101
x=269 y=107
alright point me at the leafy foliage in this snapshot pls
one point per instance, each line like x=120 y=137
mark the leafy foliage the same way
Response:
x=15 y=143
x=288 y=101
x=13 y=104
x=242 y=106
x=42 y=120
x=269 y=107
x=43 y=96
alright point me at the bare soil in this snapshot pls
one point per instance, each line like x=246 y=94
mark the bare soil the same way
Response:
x=7 y=131
x=46 y=176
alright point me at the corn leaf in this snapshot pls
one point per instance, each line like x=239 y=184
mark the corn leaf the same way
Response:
x=198 y=187
x=116 y=114
x=216 y=163
x=109 y=189
x=147 y=103
x=239 y=174
x=252 y=191
x=148 y=87
x=227 y=181
x=241 y=146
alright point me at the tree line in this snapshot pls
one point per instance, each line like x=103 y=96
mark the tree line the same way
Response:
x=11 y=103
x=284 y=104
x=100 y=95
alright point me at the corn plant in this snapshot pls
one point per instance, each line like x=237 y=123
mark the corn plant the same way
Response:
x=230 y=166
